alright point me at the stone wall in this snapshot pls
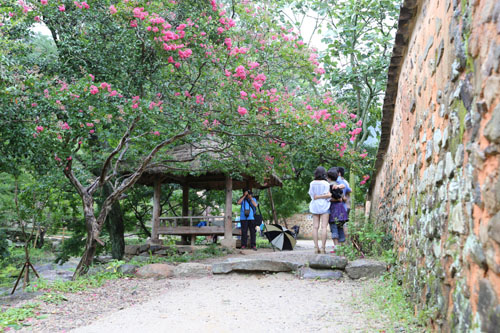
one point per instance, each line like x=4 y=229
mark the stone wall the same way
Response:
x=437 y=185
x=304 y=221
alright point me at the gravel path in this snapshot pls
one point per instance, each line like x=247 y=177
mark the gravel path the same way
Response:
x=220 y=303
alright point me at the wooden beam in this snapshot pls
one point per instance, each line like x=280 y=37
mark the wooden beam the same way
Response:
x=275 y=216
x=203 y=231
x=156 y=211
x=228 y=215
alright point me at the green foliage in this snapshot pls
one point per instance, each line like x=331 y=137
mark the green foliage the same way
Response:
x=392 y=301
x=4 y=247
x=373 y=241
x=209 y=251
x=53 y=298
x=16 y=318
x=81 y=283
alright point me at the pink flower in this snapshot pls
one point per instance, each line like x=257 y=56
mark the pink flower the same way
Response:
x=44 y=2
x=242 y=111
x=65 y=126
x=37 y=18
x=112 y=9
x=113 y=93
x=228 y=42
x=363 y=155
x=156 y=133
x=94 y=90
x=135 y=106
x=39 y=129
x=343 y=125
x=133 y=23
x=359 y=123
x=253 y=65
x=91 y=131
x=34 y=104
x=85 y=5
x=243 y=95
x=62 y=8
x=90 y=125
x=199 y=99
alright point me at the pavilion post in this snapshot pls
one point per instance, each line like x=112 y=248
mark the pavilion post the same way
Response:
x=185 y=200
x=228 y=240
x=273 y=209
x=156 y=211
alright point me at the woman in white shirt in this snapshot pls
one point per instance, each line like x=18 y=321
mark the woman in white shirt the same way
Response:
x=319 y=191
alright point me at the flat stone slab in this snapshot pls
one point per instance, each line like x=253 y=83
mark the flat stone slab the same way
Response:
x=322 y=274
x=325 y=261
x=253 y=265
x=127 y=269
x=155 y=271
x=192 y=269
x=365 y=268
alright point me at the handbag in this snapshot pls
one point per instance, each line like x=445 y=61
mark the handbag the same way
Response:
x=246 y=212
x=257 y=217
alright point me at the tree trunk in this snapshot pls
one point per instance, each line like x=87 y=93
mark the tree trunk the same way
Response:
x=91 y=244
x=116 y=227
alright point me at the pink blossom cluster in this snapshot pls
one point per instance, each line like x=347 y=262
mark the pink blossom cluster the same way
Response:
x=82 y=5
x=365 y=178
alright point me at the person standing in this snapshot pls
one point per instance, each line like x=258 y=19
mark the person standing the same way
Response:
x=347 y=194
x=338 y=213
x=319 y=191
x=247 y=216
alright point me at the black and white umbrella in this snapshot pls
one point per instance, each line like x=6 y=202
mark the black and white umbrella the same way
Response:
x=280 y=237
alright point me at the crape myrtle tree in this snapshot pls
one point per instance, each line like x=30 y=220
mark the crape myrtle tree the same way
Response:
x=137 y=78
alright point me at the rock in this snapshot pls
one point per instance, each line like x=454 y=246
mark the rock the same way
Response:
x=323 y=274
x=428 y=150
x=474 y=249
x=492 y=129
x=459 y=155
x=155 y=271
x=185 y=248
x=192 y=269
x=449 y=165
x=365 y=268
x=437 y=139
x=324 y=261
x=486 y=302
x=132 y=249
x=154 y=248
x=143 y=248
x=457 y=220
x=253 y=265
x=127 y=269
x=140 y=259
x=103 y=259
x=438 y=174
x=494 y=228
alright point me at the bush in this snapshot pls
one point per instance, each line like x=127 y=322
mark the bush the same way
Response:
x=365 y=239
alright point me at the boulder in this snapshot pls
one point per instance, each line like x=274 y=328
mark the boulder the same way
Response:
x=253 y=265
x=365 y=268
x=103 y=259
x=143 y=248
x=127 y=269
x=155 y=271
x=325 y=261
x=192 y=269
x=323 y=274
x=132 y=249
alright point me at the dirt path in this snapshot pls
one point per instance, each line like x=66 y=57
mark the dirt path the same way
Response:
x=249 y=303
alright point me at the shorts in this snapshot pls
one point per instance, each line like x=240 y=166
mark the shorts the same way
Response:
x=337 y=231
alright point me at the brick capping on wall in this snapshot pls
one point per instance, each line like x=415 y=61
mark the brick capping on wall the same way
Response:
x=405 y=26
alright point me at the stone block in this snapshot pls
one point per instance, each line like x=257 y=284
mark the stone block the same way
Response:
x=192 y=269
x=132 y=249
x=439 y=172
x=491 y=193
x=428 y=150
x=457 y=220
x=143 y=248
x=459 y=155
x=494 y=228
x=449 y=165
x=492 y=129
x=140 y=259
x=474 y=250
x=155 y=271
x=324 y=261
x=323 y=274
x=253 y=265
x=365 y=268
x=487 y=302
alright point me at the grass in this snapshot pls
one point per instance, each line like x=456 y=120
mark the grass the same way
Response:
x=209 y=251
x=385 y=296
x=82 y=283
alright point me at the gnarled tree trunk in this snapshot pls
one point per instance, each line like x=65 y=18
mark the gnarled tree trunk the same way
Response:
x=115 y=226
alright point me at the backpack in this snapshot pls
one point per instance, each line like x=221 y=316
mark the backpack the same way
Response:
x=336 y=193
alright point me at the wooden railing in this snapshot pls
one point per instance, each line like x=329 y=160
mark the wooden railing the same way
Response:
x=188 y=226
